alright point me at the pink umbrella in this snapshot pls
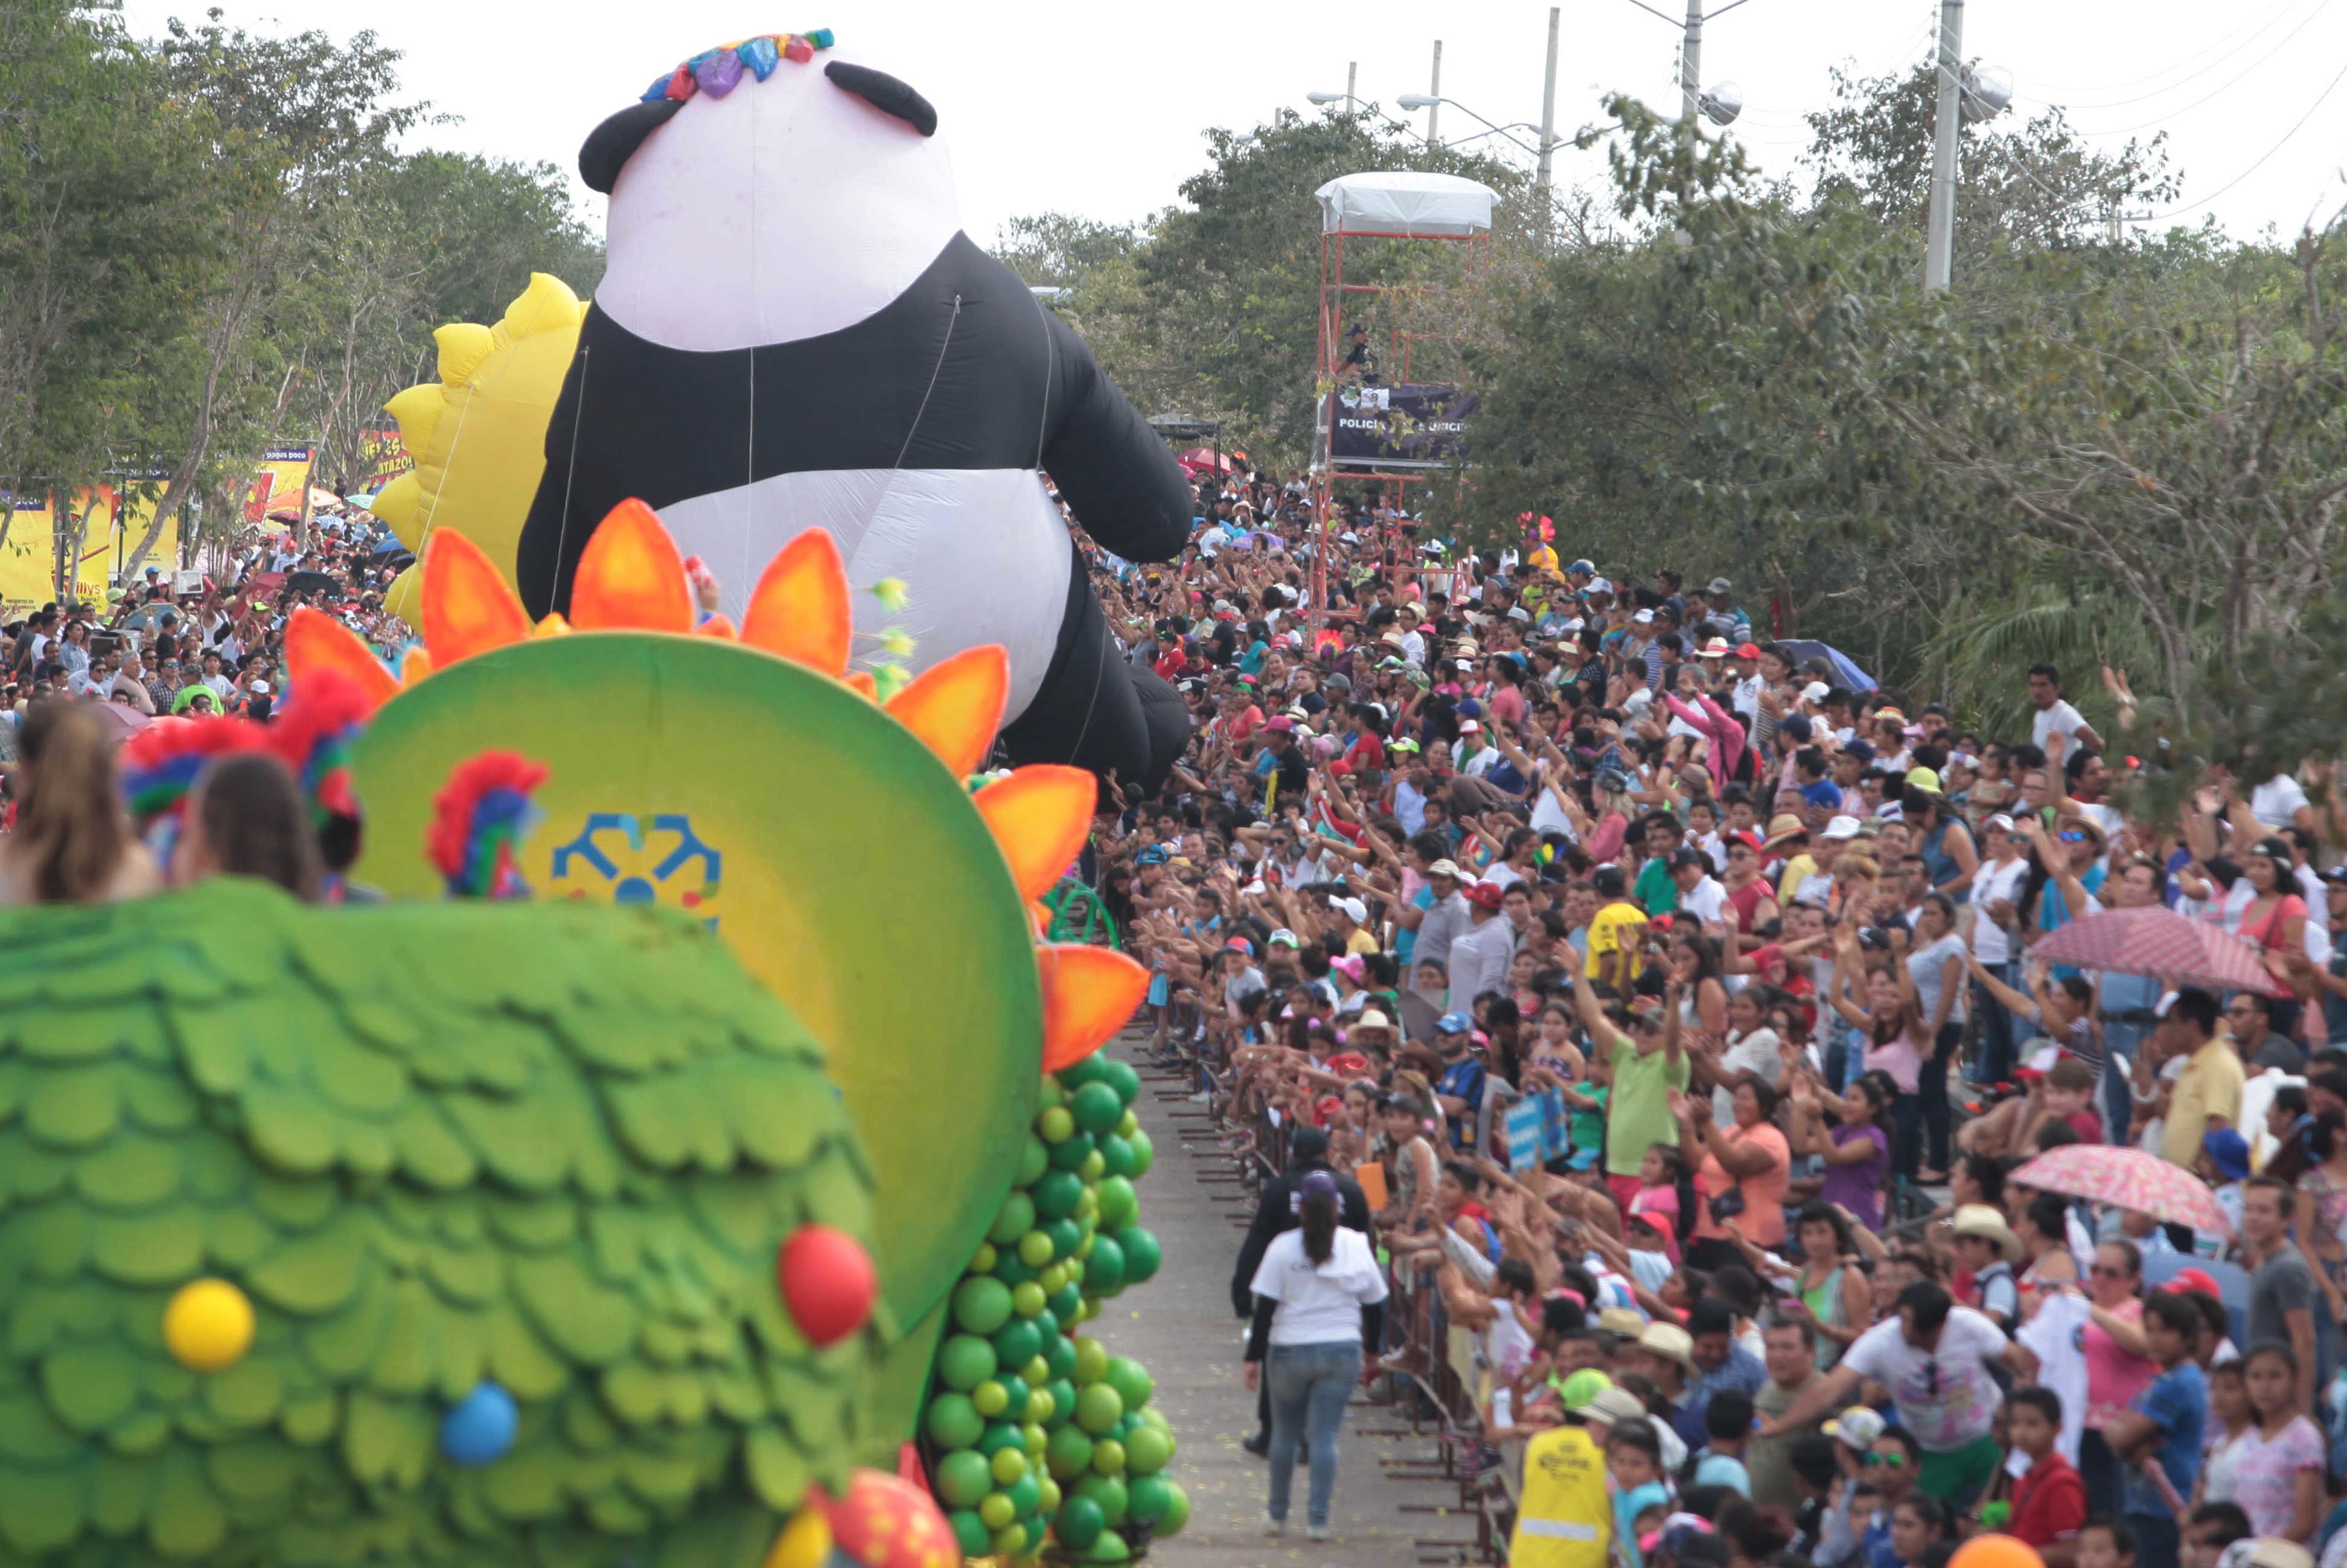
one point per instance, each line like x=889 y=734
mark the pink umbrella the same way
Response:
x=121 y=722
x=2158 y=941
x=2128 y=1179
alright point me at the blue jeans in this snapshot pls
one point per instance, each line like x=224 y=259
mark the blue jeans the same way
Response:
x=2120 y=1042
x=1995 y=1064
x=2158 y=1542
x=1311 y=1386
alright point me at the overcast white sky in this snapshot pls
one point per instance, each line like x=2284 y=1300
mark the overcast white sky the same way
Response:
x=1096 y=107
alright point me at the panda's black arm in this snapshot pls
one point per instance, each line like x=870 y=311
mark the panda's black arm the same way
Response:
x=1116 y=472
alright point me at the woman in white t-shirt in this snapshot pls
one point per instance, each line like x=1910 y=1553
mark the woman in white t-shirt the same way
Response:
x=1318 y=1298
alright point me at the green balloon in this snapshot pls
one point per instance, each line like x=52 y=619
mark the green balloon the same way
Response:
x=1118 y=1205
x=1017 y=1343
x=1069 y=1453
x=1144 y=1154
x=1107 y=1494
x=999 y=1436
x=1129 y=1126
x=1131 y=1381
x=1092 y=1167
x=965 y=1361
x=1091 y=1358
x=1116 y=1155
x=1010 y=1268
x=1034 y=1159
x=1059 y=1355
x=990 y=1398
x=1063 y=1401
x=1040 y=1405
x=969 y=1532
x=1047 y=1494
x=1086 y=1069
x=1146 y=1449
x=1035 y=1249
x=1054 y=1124
x=1067 y=1305
x=982 y=1304
x=1110 y=1548
x=1108 y=1456
x=1099 y=1408
x=1176 y=1512
x=1010 y=1541
x=1035 y=1440
x=1096 y=1108
x=1008 y=1465
x=1078 y=1523
x=1025 y=1495
x=1037 y=1371
x=1029 y=1300
x=982 y=1261
x=1015 y=1392
x=1034 y=1524
x=963 y=1478
x=1141 y=1254
x=1147 y=1499
x=1105 y=1268
x=1121 y=1077
x=1070 y=1153
x=1058 y=1193
x=953 y=1421
x=1015 y=1219
x=1065 y=1236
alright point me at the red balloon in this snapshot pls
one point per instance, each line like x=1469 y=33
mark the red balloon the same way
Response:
x=827 y=1282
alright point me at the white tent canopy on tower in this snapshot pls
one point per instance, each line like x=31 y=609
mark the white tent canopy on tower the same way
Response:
x=1405 y=204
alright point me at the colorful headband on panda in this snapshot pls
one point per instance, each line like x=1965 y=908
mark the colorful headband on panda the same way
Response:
x=718 y=71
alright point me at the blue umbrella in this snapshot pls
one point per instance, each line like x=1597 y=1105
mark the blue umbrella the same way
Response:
x=1800 y=650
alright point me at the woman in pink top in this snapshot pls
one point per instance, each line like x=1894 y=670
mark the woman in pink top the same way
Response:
x=2119 y=1363
x=1722 y=731
x=1892 y=1019
x=2278 y=1463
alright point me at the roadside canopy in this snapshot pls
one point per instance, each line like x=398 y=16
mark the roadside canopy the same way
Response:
x=1405 y=202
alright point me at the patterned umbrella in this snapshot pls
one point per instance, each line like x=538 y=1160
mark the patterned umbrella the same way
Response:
x=2129 y=1178
x=2158 y=941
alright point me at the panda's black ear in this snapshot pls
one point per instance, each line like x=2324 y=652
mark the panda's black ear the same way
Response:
x=609 y=145
x=886 y=94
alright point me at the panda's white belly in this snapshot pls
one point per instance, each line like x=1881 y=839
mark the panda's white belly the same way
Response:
x=982 y=552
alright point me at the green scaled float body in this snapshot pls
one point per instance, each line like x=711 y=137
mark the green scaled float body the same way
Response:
x=553 y=1147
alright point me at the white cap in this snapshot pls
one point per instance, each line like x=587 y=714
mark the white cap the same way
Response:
x=1841 y=828
x=1816 y=691
x=1644 y=618
x=1354 y=909
x=1598 y=585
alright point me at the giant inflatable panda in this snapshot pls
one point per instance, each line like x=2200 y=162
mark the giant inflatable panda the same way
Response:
x=794 y=332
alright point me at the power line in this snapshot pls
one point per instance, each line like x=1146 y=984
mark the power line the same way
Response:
x=2198 y=65
x=2269 y=152
x=2245 y=72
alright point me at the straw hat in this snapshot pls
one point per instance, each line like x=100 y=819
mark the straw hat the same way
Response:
x=1782 y=827
x=1669 y=1341
x=1988 y=1223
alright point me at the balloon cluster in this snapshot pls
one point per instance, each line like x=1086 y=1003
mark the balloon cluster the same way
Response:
x=1035 y=1428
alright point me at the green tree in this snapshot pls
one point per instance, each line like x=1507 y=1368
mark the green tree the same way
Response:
x=104 y=234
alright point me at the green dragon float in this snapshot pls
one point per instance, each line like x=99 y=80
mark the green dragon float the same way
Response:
x=724 y=1206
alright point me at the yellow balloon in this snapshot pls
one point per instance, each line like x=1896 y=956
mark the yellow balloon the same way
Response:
x=208 y=1326
x=805 y=1541
x=1996 y=1552
x=479 y=433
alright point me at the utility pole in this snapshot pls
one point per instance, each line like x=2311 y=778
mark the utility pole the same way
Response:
x=1548 y=124
x=1691 y=62
x=1352 y=68
x=1939 y=250
x=1434 y=91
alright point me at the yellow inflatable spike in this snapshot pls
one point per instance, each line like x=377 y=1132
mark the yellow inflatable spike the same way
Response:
x=805 y=1542
x=415 y=667
x=467 y=607
x=547 y=305
x=465 y=346
x=1088 y=993
x=397 y=504
x=551 y=625
x=418 y=411
x=404 y=597
x=800 y=608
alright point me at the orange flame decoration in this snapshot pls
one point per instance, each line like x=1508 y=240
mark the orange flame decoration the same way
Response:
x=631 y=578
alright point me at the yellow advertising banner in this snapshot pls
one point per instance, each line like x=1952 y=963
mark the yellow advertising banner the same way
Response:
x=280 y=488
x=382 y=458
x=36 y=532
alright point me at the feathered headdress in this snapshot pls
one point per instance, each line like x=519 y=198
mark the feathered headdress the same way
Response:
x=478 y=822
x=314 y=735
x=160 y=766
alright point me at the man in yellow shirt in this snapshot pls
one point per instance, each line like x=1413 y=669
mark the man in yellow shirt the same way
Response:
x=1614 y=931
x=2209 y=1090
x=1565 y=1518
x=1789 y=836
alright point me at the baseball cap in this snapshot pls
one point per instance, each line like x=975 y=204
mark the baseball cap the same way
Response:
x=2228 y=1151
x=1453 y=1023
x=2194 y=1282
x=1283 y=937
x=1317 y=1184
x=1748 y=650
x=1862 y=750
x=1721 y=585
x=1487 y=894
x=1598 y=585
x=1586 y=568
x=1644 y=618
x=1239 y=945
x=1470 y=726
x=1284 y=724
x=1815 y=692
x=1997 y=819
x=1582 y=1387
x=1923 y=778
x=1750 y=840
x=1444 y=868
x=1841 y=828
x=1355 y=910
x=1857 y=1426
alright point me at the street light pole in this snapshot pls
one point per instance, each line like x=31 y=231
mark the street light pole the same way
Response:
x=1352 y=67
x=1548 y=122
x=1691 y=62
x=1434 y=114
x=1939 y=248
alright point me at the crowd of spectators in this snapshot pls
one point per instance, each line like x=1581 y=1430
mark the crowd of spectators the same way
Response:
x=1498 y=830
